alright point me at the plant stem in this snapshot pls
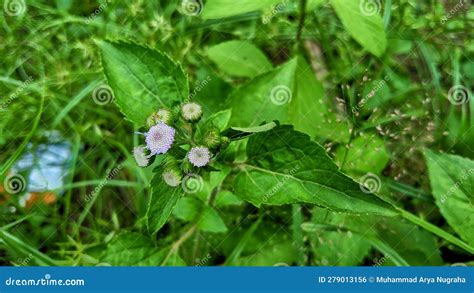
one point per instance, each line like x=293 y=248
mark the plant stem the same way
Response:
x=435 y=230
x=301 y=22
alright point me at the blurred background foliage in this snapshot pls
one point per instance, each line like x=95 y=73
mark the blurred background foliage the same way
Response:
x=49 y=52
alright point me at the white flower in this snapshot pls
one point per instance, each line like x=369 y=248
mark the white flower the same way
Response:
x=160 y=138
x=139 y=153
x=199 y=156
x=191 y=112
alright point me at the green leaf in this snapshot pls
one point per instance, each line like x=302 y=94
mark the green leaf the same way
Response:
x=256 y=129
x=290 y=94
x=284 y=167
x=210 y=221
x=163 y=199
x=364 y=25
x=220 y=119
x=339 y=248
x=239 y=58
x=142 y=79
x=225 y=8
x=227 y=198
x=187 y=208
x=366 y=153
x=452 y=183
x=134 y=249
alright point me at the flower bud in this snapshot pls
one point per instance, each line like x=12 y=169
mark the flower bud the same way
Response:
x=212 y=138
x=139 y=153
x=162 y=115
x=199 y=156
x=191 y=112
x=225 y=141
x=172 y=176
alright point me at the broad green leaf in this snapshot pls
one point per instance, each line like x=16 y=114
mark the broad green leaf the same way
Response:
x=134 y=249
x=284 y=167
x=227 y=198
x=256 y=129
x=163 y=199
x=452 y=183
x=187 y=208
x=142 y=79
x=366 y=153
x=364 y=25
x=339 y=248
x=279 y=254
x=290 y=94
x=220 y=119
x=225 y=8
x=239 y=58
x=210 y=221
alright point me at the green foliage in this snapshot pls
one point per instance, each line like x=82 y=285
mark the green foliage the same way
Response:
x=239 y=58
x=285 y=167
x=142 y=79
x=226 y=8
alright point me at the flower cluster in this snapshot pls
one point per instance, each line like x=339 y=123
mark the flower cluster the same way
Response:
x=171 y=133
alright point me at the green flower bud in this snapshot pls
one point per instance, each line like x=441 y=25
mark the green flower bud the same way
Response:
x=225 y=141
x=191 y=112
x=186 y=166
x=162 y=115
x=212 y=138
x=172 y=176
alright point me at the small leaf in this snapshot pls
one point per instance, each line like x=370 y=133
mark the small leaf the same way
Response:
x=239 y=58
x=452 y=182
x=210 y=221
x=286 y=167
x=227 y=198
x=163 y=199
x=142 y=79
x=225 y=8
x=364 y=24
x=220 y=119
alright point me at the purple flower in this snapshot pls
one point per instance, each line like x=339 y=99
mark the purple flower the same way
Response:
x=199 y=156
x=160 y=138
